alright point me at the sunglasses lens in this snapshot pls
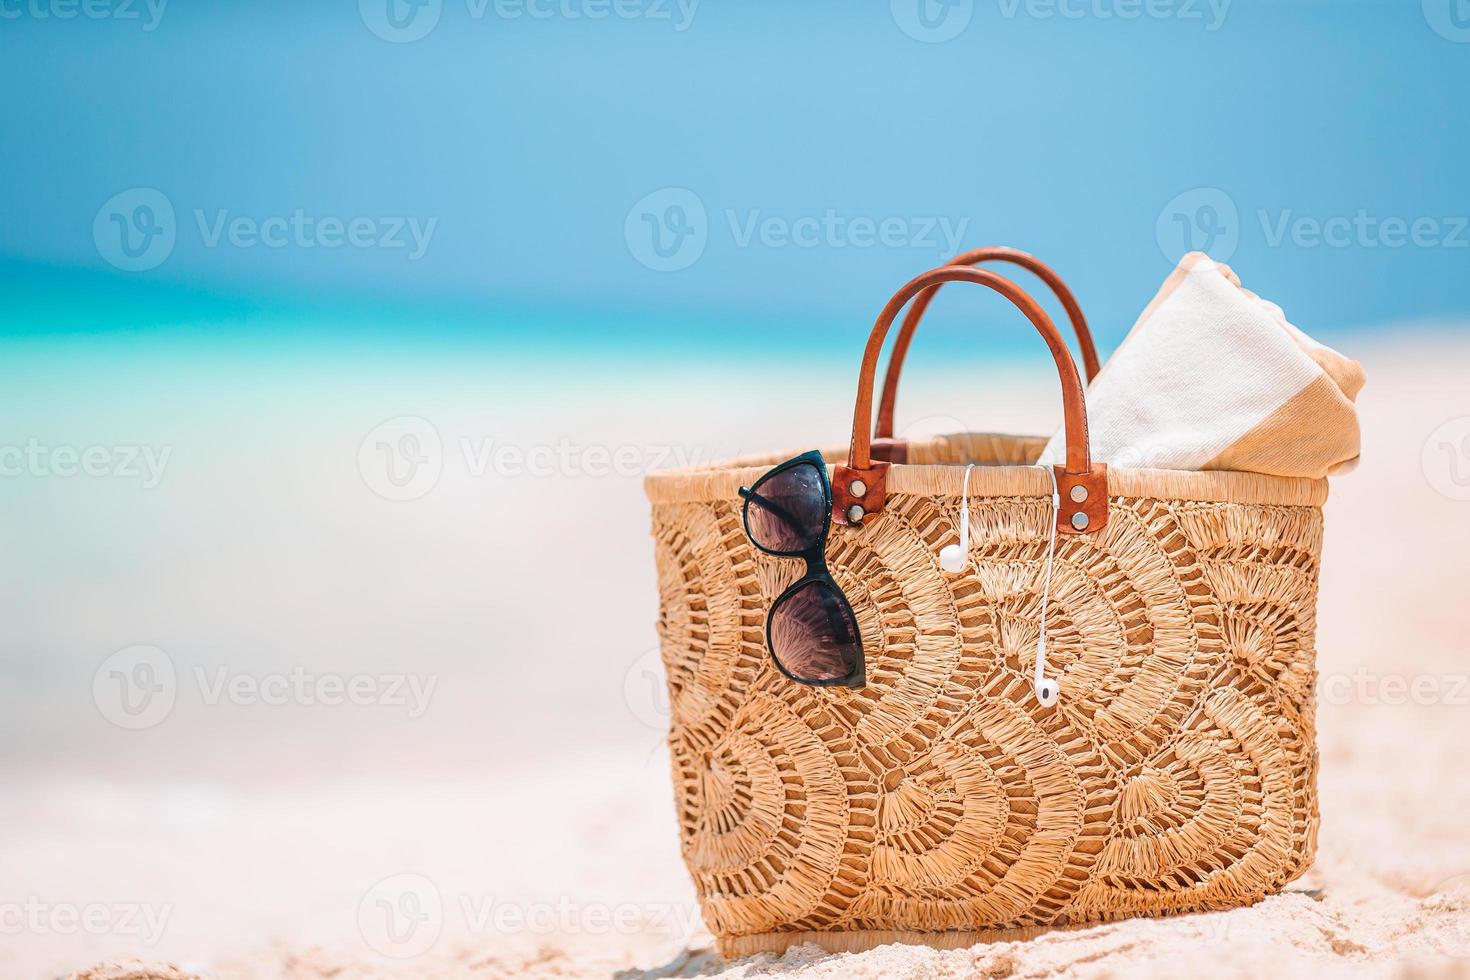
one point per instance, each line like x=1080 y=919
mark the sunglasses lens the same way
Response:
x=813 y=634
x=787 y=511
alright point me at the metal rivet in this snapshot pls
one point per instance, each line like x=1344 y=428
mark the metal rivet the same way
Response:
x=1079 y=493
x=1079 y=521
x=855 y=513
x=858 y=488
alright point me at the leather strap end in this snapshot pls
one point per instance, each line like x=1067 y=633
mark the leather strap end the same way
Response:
x=851 y=507
x=1084 y=500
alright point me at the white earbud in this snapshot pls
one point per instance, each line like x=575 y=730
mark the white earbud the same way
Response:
x=954 y=557
x=1048 y=691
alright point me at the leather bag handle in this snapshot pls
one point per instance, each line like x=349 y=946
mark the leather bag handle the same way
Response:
x=858 y=489
x=978 y=256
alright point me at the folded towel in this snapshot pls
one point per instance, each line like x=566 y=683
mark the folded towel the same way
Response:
x=1212 y=377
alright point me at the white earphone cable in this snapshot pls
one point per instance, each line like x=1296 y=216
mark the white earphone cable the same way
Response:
x=965 y=513
x=1051 y=550
x=954 y=557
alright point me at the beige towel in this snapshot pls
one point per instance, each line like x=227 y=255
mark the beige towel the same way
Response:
x=1212 y=377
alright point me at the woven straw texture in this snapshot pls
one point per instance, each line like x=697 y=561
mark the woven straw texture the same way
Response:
x=941 y=803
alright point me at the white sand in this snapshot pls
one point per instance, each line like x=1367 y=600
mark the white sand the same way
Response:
x=558 y=857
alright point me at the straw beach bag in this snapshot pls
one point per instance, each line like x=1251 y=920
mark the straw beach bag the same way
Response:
x=941 y=803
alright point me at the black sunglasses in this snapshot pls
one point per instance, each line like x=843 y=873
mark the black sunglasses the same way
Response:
x=810 y=629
